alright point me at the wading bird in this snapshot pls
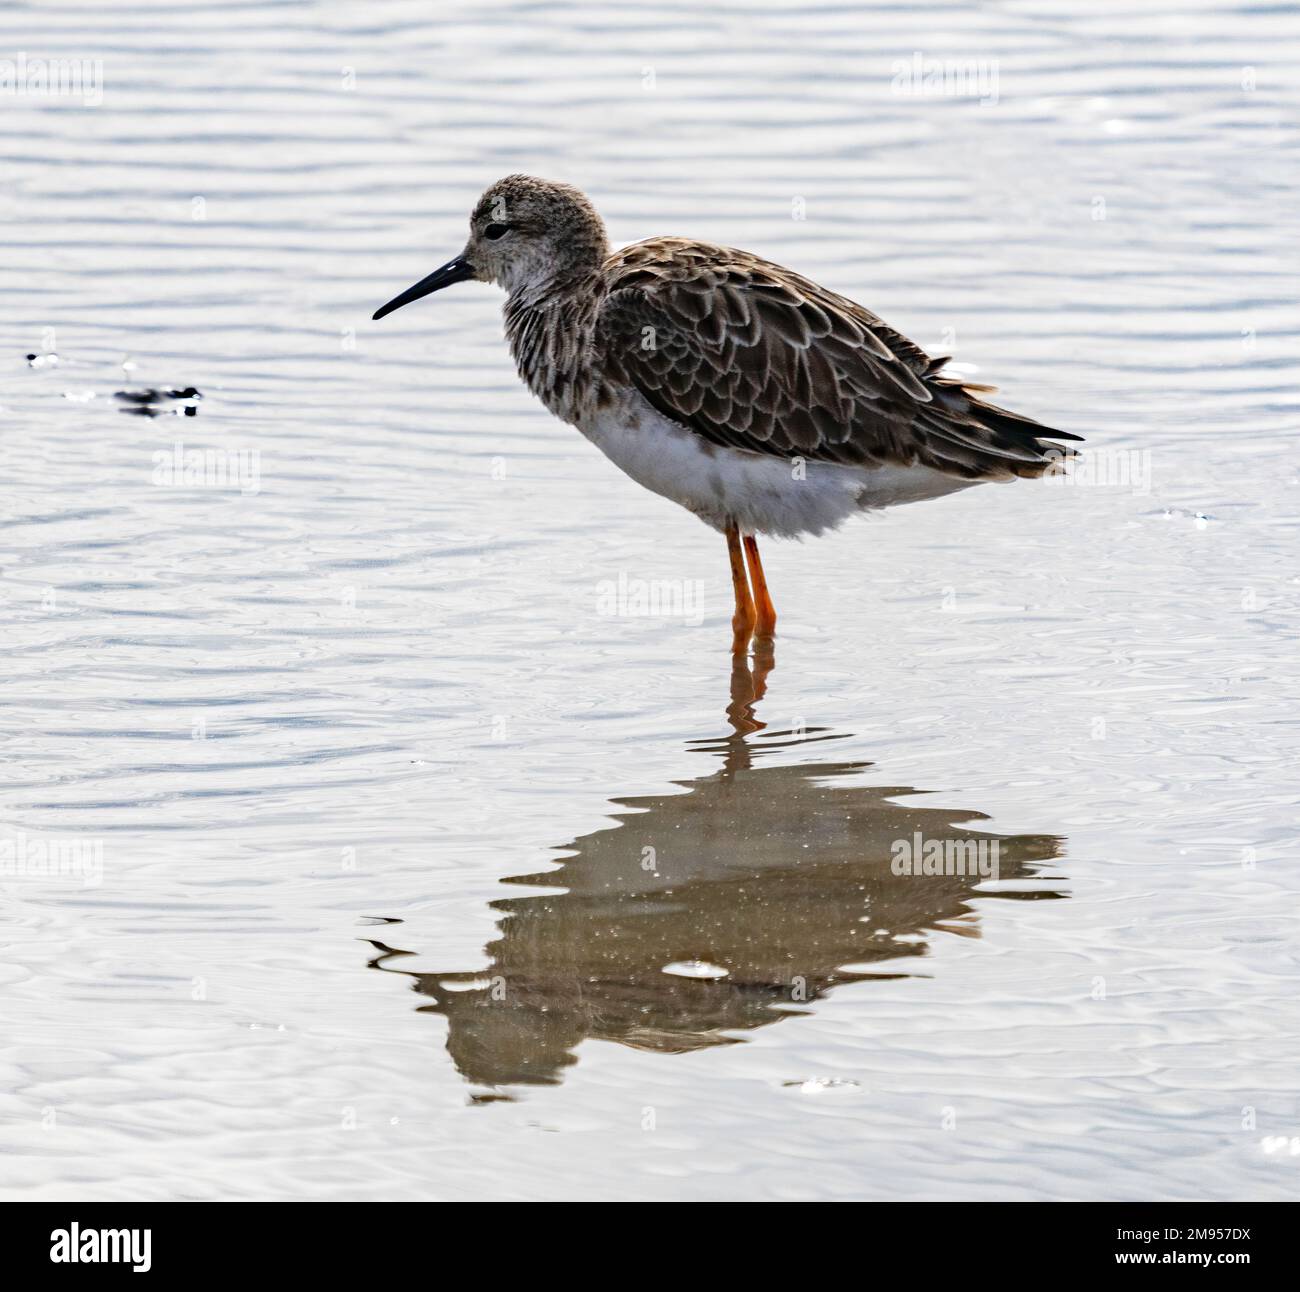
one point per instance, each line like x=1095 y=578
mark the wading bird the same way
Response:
x=753 y=397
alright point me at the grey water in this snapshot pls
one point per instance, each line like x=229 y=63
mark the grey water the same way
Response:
x=368 y=829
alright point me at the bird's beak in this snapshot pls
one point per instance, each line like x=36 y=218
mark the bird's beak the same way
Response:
x=454 y=271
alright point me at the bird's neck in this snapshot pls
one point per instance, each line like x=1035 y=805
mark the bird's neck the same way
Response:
x=550 y=327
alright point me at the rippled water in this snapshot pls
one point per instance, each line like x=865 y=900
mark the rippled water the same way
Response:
x=381 y=833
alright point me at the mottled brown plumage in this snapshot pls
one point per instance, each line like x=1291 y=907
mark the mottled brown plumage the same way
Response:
x=752 y=356
x=745 y=392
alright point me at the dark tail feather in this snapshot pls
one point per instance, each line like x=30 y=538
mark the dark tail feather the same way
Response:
x=1015 y=425
x=1025 y=433
x=981 y=441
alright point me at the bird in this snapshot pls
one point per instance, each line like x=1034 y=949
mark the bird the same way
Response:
x=755 y=398
x=152 y=396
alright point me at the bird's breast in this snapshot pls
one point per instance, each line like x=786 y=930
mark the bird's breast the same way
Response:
x=552 y=351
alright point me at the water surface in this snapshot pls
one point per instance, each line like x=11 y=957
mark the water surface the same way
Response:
x=383 y=832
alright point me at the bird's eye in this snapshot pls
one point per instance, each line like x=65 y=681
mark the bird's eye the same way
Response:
x=495 y=231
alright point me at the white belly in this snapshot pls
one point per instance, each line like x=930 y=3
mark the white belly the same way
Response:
x=761 y=493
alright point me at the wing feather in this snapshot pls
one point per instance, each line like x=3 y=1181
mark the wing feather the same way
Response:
x=751 y=356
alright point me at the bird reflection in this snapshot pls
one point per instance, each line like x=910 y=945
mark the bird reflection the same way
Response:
x=759 y=886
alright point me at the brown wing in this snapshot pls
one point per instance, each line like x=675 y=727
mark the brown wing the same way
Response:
x=751 y=356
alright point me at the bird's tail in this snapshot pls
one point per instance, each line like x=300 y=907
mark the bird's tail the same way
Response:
x=1021 y=446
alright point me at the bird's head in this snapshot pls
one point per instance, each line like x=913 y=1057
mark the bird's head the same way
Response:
x=527 y=235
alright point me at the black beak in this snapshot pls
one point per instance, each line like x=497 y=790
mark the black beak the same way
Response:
x=454 y=271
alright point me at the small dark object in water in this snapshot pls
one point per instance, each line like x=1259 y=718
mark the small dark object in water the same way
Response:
x=145 y=403
x=155 y=396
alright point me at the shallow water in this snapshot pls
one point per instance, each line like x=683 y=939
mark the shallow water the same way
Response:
x=386 y=830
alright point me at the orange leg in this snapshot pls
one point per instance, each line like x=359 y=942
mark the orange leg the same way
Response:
x=766 y=623
x=742 y=622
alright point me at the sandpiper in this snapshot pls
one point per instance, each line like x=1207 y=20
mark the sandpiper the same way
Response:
x=753 y=397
